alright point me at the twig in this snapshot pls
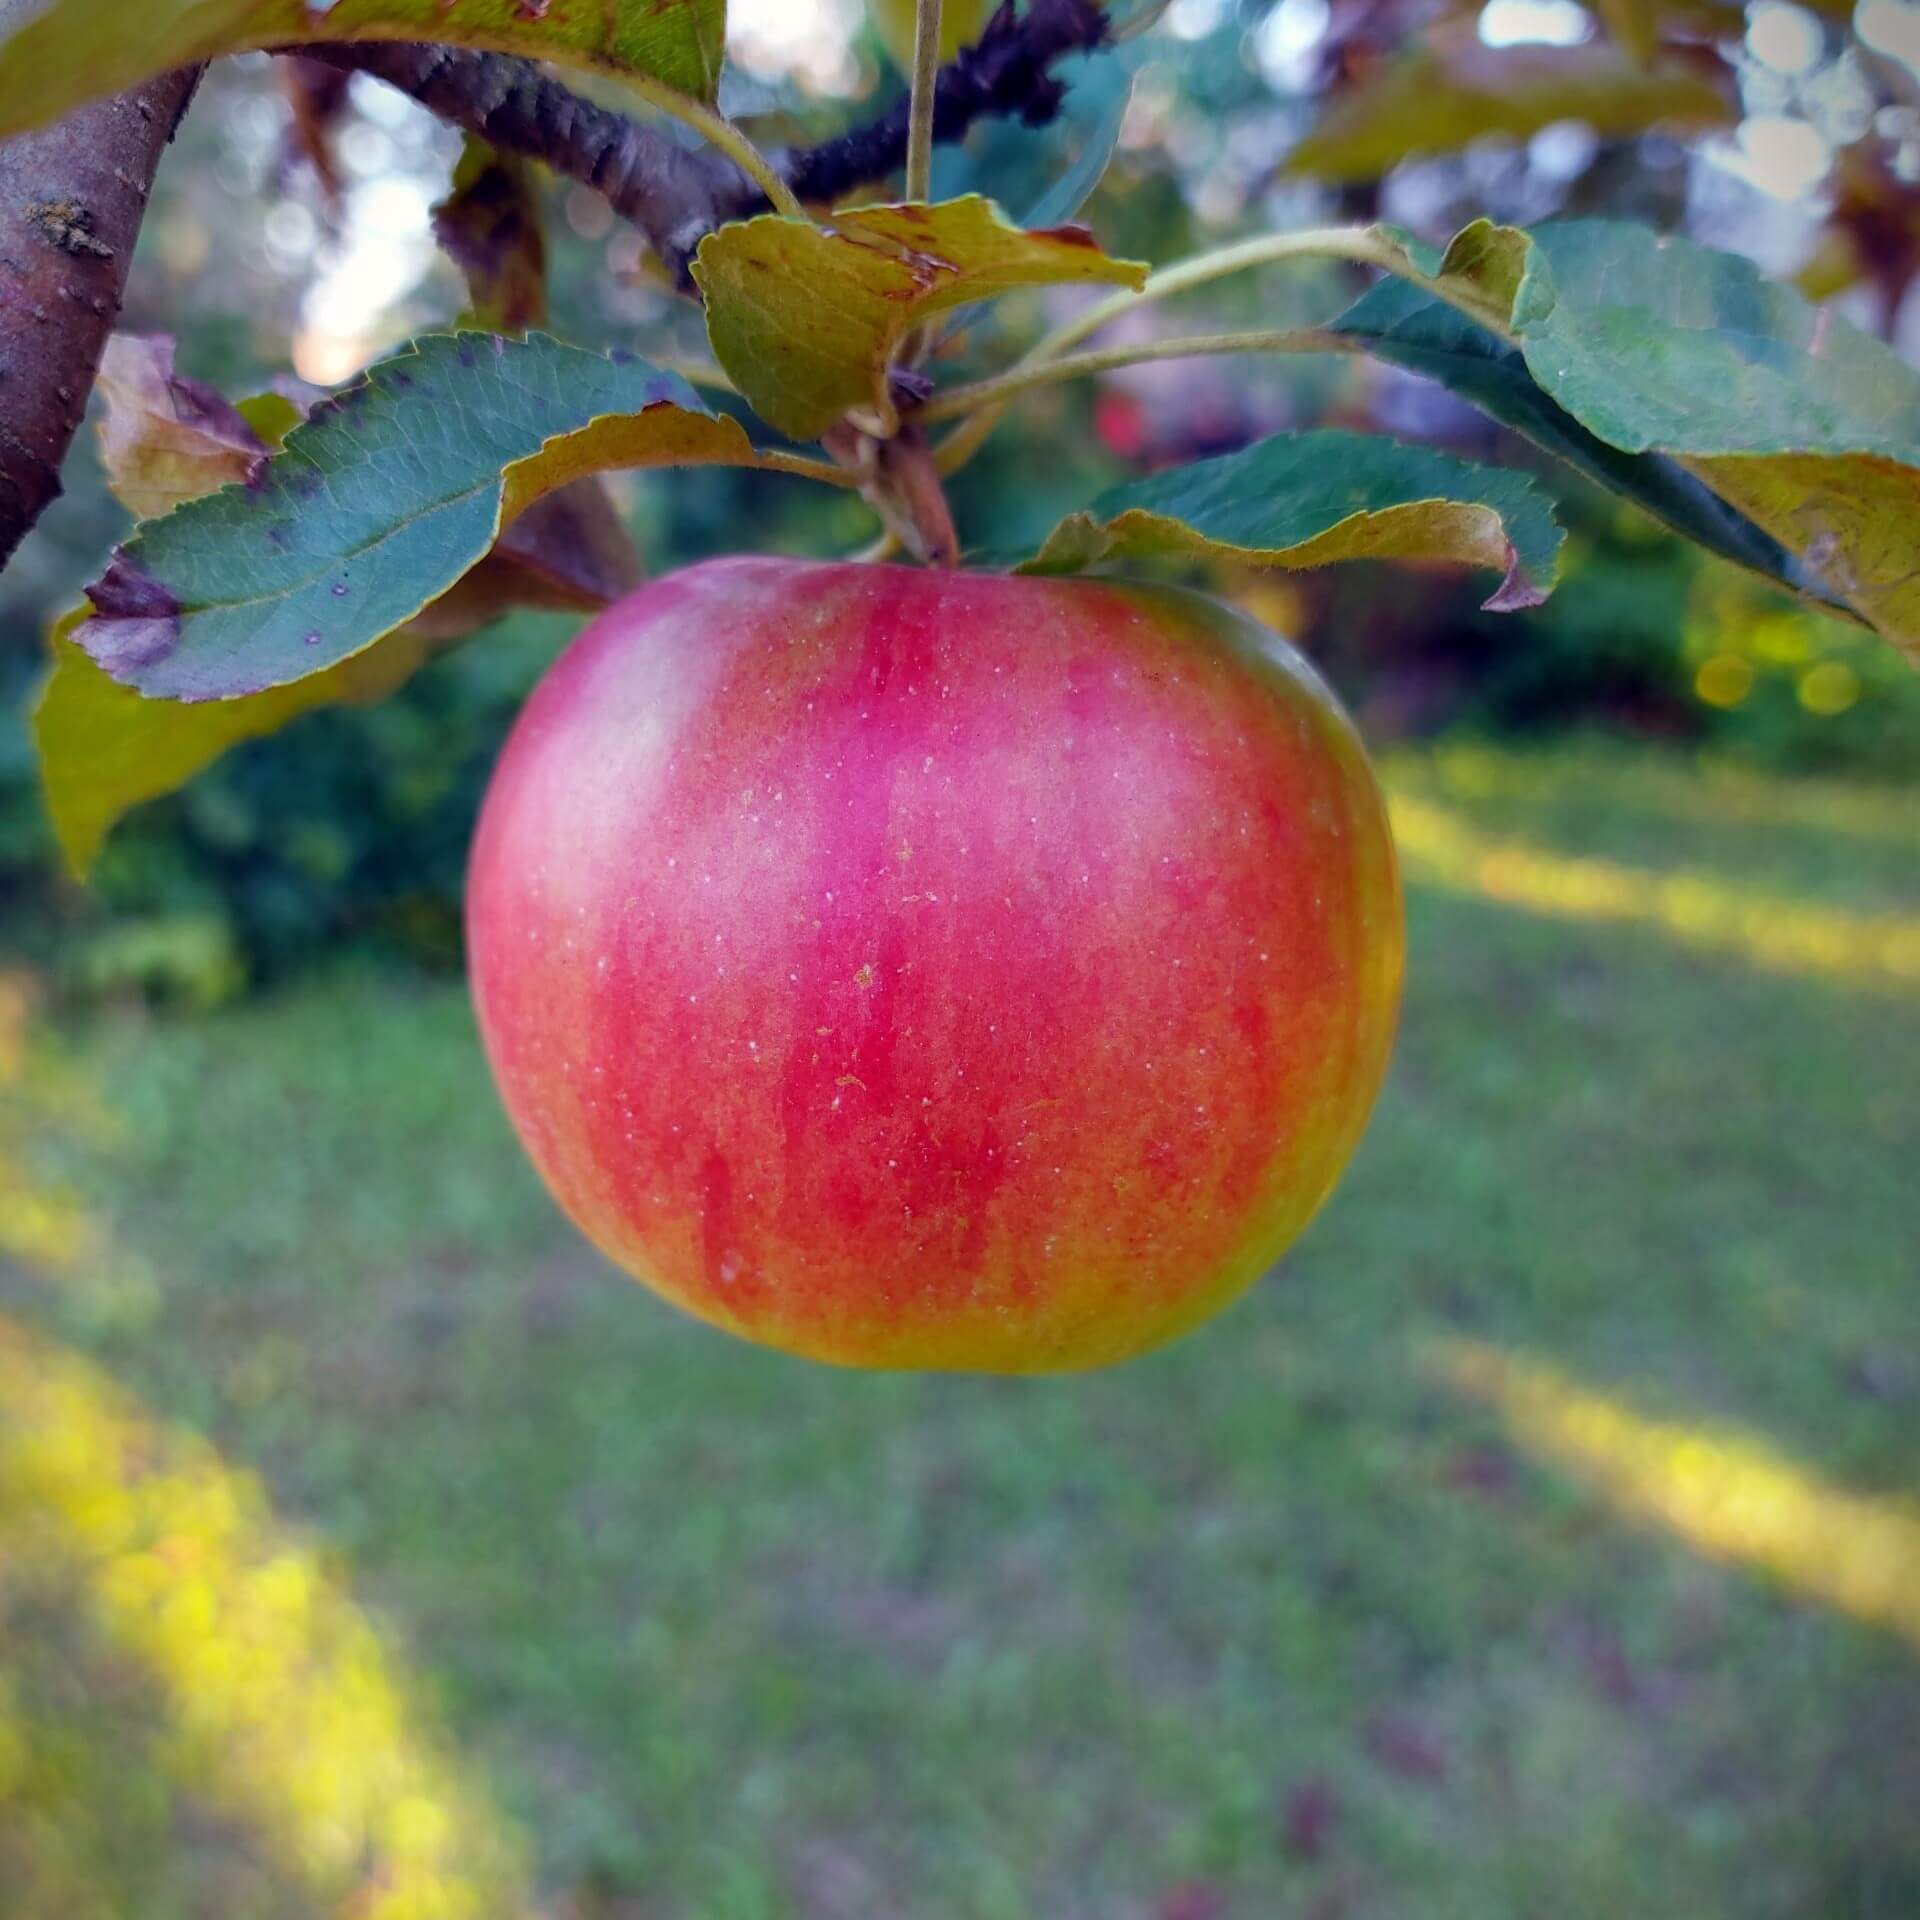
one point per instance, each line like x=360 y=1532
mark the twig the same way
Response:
x=951 y=402
x=72 y=196
x=926 y=79
x=1143 y=20
x=721 y=134
x=1361 y=246
x=897 y=479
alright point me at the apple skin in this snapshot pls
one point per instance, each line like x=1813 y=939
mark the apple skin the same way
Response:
x=935 y=970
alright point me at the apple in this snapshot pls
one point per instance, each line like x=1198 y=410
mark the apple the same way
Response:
x=960 y=24
x=945 y=970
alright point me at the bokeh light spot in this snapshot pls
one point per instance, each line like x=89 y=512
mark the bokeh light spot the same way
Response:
x=1830 y=688
x=1724 y=681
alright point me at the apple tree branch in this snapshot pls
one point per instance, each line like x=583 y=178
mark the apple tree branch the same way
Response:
x=72 y=197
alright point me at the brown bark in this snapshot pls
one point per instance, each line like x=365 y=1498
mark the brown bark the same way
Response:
x=71 y=200
x=671 y=193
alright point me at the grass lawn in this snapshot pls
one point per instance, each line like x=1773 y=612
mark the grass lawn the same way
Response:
x=1540 y=1542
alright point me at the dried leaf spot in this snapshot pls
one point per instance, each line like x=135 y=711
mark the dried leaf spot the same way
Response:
x=136 y=621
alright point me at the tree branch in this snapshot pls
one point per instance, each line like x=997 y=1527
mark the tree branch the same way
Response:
x=72 y=197
x=675 y=196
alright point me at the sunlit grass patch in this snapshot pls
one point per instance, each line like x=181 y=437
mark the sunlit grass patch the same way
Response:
x=1725 y=1494
x=1695 y=907
x=284 y=1708
x=1687 y=791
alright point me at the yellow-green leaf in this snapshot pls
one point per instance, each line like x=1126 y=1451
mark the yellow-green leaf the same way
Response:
x=1851 y=518
x=274 y=414
x=104 y=748
x=73 y=51
x=1448 y=93
x=807 y=319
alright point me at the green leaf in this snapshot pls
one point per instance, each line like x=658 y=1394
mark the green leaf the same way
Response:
x=1804 y=425
x=104 y=748
x=1303 y=500
x=569 y=552
x=1046 y=174
x=1099 y=87
x=1449 y=93
x=379 y=503
x=490 y=226
x=1407 y=327
x=807 y=319
x=73 y=51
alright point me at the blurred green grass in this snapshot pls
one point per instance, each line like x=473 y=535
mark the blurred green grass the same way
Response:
x=1276 y=1623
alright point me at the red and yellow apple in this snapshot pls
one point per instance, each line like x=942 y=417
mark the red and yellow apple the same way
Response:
x=919 y=969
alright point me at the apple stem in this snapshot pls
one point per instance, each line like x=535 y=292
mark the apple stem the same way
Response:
x=898 y=479
x=906 y=468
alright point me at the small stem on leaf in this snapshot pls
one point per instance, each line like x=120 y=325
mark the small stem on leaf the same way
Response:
x=718 y=131
x=1361 y=245
x=919 y=159
x=926 y=81
x=951 y=402
x=803 y=468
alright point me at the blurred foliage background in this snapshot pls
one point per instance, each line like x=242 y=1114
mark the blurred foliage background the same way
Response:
x=1542 y=1541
